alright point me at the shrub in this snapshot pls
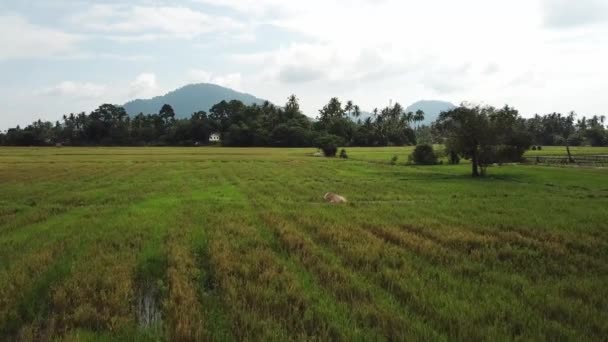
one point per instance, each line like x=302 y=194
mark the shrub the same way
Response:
x=328 y=144
x=329 y=150
x=533 y=148
x=343 y=154
x=328 y=139
x=508 y=154
x=453 y=157
x=394 y=160
x=424 y=155
x=540 y=148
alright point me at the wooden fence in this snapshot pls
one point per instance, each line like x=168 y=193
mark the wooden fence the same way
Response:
x=579 y=160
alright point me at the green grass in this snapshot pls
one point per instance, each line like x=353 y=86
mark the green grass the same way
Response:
x=237 y=244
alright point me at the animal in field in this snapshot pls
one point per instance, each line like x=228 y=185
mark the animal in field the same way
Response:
x=334 y=198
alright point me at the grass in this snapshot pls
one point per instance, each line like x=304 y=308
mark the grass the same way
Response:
x=237 y=244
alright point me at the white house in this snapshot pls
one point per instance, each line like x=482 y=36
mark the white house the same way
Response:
x=214 y=137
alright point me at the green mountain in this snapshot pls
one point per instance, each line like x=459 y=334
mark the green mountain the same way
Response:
x=431 y=109
x=189 y=99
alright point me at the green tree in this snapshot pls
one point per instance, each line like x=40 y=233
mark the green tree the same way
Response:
x=418 y=118
x=466 y=130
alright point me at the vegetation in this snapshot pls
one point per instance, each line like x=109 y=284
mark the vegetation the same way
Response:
x=237 y=244
x=343 y=154
x=264 y=124
x=424 y=155
x=238 y=124
x=484 y=135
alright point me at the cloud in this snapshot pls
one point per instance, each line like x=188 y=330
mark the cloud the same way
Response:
x=299 y=74
x=574 y=13
x=141 y=23
x=76 y=90
x=231 y=80
x=256 y=8
x=21 y=39
x=145 y=85
x=301 y=63
x=491 y=69
x=448 y=79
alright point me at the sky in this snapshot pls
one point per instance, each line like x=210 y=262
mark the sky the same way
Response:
x=540 y=56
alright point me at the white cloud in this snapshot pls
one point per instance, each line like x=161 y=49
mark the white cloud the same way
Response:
x=256 y=8
x=21 y=39
x=570 y=13
x=232 y=80
x=145 y=85
x=77 y=90
x=140 y=23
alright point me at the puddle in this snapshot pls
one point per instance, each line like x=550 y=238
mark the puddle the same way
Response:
x=148 y=306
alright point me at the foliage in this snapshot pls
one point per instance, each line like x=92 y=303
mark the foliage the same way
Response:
x=265 y=124
x=424 y=155
x=343 y=154
x=453 y=157
x=239 y=125
x=394 y=160
x=329 y=150
x=485 y=135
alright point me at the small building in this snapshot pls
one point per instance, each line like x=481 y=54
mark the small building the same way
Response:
x=214 y=138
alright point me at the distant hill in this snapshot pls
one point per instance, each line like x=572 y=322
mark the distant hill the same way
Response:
x=431 y=109
x=190 y=99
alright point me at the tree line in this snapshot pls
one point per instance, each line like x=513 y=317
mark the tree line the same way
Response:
x=338 y=123
x=238 y=124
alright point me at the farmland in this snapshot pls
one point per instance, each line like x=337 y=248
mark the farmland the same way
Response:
x=237 y=244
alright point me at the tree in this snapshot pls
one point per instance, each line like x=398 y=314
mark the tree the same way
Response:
x=466 y=130
x=418 y=117
x=349 y=108
x=512 y=139
x=356 y=112
x=167 y=113
x=484 y=135
x=568 y=130
x=424 y=155
x=332 y=110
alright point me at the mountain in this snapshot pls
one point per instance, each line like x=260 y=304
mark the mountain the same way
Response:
x=189 y=99
x=431 y=109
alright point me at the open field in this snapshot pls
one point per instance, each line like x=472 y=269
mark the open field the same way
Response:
x=385 y=154
x=237 y=244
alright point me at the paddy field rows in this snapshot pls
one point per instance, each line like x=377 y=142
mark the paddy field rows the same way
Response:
x=237 y=244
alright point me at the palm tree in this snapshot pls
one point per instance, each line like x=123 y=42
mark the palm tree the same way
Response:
x=418 y=117
x=356 y=111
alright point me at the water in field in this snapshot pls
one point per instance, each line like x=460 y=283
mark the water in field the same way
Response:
x=148 y=307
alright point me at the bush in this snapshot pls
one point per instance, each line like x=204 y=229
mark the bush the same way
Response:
x=533 y=148
x=329 y=150
x=328 y=140
x=454 y=158
x=508 y=154
x=394 y=160
x=424 y=155
x=540 y=148
x=343 y=154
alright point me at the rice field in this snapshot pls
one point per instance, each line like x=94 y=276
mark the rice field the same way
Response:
x=215 y=244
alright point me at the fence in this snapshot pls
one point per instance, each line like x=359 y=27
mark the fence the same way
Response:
x=579 y=160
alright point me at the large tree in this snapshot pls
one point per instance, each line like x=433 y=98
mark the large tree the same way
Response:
x=484 y=135
x=466 y=132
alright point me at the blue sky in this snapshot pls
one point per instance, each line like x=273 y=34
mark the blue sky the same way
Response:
x=62 y=56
